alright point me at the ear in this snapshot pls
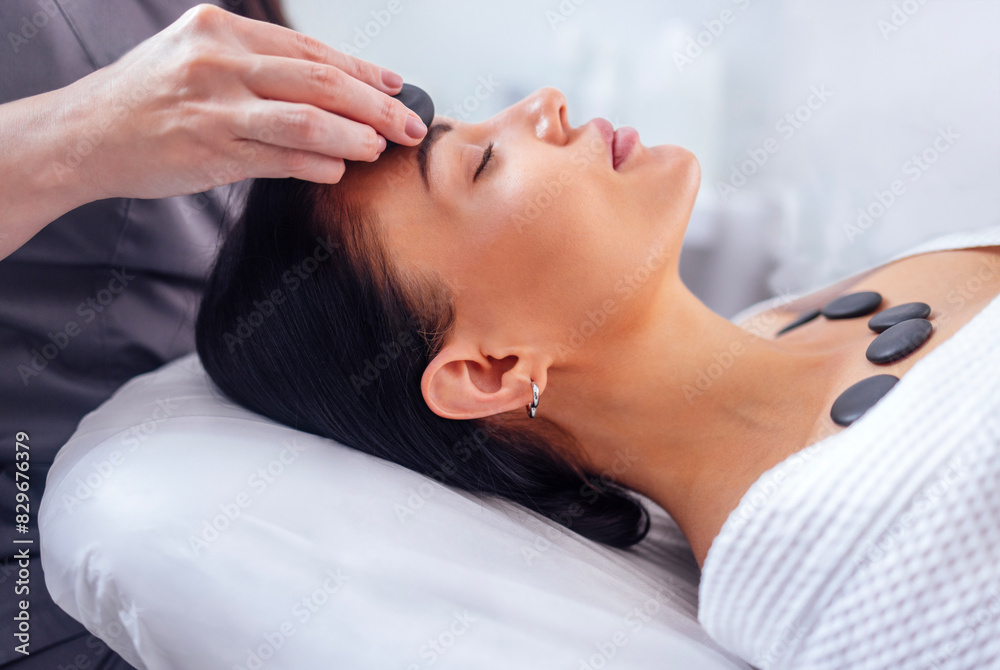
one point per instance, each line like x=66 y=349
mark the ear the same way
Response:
x=463 y=383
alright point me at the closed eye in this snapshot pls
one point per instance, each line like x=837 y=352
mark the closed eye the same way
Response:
x=487 y=155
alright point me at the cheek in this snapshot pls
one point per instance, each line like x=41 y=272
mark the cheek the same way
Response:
x=509 y=220
x=557 y=243
x=545 y=262
x=545 y=188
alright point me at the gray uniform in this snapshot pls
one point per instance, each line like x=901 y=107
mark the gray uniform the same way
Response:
x=102 y=294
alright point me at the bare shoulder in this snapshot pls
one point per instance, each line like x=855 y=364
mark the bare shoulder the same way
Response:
x=952 y=276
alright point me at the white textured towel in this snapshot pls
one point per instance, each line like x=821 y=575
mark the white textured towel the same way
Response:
x=877 y=547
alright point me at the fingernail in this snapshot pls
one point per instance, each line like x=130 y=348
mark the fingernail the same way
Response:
x=381 y=144
x=391 y=79
x=415 y=128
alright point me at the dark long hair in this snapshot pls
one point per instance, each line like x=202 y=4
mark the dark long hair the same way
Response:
x=305 y=321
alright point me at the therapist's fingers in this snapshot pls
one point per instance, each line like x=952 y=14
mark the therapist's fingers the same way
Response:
x=332 y=89
x=299 y=126
x=212 y=27
x=271 y=162
x=178 y=110
x=274 y=40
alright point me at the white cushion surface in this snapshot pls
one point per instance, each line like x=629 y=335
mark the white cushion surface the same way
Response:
x=188 y=532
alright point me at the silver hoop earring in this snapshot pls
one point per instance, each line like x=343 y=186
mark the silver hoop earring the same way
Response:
x=534 y=400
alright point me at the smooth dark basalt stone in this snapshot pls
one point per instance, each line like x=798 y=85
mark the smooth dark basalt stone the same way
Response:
x=899 y=341
x=852 y=305
x=805 y=317
x=418 y=100
x=859 y=398
x=888 y=318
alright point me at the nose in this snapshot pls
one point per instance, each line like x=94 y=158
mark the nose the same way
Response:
x=544 y=112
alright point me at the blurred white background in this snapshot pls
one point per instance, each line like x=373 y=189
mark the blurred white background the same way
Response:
x=719 y=77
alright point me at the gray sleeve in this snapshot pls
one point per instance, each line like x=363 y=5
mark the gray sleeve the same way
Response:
x=109 y=290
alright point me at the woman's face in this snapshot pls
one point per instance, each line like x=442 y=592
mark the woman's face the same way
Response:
x=537 y=228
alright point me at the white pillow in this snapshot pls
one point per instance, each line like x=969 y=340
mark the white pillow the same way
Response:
x=188 y=532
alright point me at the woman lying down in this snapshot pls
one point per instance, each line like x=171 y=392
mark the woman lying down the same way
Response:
x=840 y=521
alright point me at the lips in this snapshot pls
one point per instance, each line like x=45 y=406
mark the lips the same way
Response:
x=620 y=143
x=625 y=139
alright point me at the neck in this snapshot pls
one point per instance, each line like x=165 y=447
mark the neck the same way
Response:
x=690 y=409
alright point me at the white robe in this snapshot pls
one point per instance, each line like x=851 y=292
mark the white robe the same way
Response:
x=879 y=546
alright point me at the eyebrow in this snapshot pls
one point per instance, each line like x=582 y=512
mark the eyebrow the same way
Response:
x=434 y=133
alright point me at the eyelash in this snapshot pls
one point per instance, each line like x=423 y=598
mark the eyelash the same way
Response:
x=487 y=155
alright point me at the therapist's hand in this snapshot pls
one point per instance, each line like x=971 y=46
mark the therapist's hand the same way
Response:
x=215 y=98
x=212 y=99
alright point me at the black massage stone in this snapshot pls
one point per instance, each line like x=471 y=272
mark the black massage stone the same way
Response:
x=888 y=318
x=859 y=398
x=898 y=341
x=417 y=100
x=805 y=317
x=852 y=305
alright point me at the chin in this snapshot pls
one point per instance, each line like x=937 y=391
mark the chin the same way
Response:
x=680 y=178
x=676 y=175
x=681 y=165
x=672 y=176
